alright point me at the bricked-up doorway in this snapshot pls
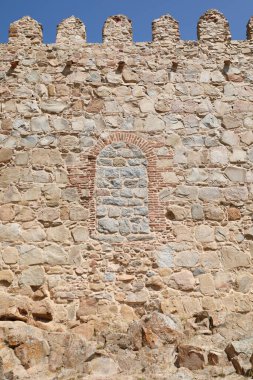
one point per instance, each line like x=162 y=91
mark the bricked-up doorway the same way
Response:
x=121 y=193
x=86 y=179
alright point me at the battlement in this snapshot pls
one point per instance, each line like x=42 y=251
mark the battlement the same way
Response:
x=212 y=27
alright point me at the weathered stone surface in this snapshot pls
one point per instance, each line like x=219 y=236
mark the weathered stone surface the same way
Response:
x=53 y=106
x=183 y=280
x=126 y=188
x=5 y=154
x=164 y=257
x=204 y=233
x=233 y=258
x=34 y=276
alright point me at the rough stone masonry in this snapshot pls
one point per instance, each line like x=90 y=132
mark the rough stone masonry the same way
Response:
x=126 y=187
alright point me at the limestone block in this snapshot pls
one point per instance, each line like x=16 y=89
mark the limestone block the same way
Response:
x=204 y=233
x=183 y=280
x=164 y=257
x=58 y=234
x=30 y=255
x=214 y=212
x=206 y=284
x=244 y=282
x=234 y=258
x=5 y=154
x=80 y=234
x=210 y=121
x=209 y=193
x=219 y=155
x=33 y=276
x=235 y=174
x=10 y=232
x=236 y=193
x=186 y=259
x=10 y=255
x=197 y=211
x=140 y=297
x=55 y=255
x=7 y=213
x=53 y=106
x=238 y=156
x=34 y=234
x=230 y=138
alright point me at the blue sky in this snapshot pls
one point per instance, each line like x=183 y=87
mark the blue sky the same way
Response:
x=94 y=12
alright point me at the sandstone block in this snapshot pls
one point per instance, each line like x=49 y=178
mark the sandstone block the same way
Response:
x=53 y=106
x=183 y=280
x=6 y=277
x=80 y=234
x=10 y=232
x=233 y=258
x=10 y=255
x=164 y=257
x=206 y=284
x=5 y=154
x=33 y=276
x=204 y=233
x=58 y=234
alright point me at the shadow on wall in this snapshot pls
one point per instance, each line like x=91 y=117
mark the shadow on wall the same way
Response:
x=212 y=26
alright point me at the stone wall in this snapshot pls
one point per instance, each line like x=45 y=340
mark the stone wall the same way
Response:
x=126 y=189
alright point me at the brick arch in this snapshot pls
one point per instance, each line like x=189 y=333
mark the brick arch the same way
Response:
x=156 y=214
